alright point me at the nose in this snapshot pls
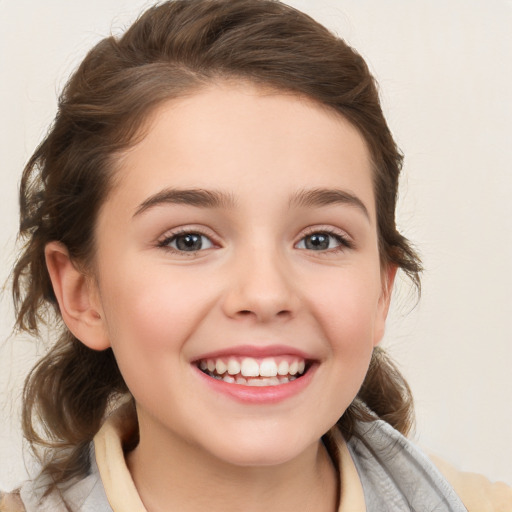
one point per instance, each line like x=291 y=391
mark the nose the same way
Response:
x=261 y=287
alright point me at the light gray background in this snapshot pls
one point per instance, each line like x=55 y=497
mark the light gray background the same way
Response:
x=445 y=70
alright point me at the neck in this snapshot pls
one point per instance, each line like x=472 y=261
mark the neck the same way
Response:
x=172 y=476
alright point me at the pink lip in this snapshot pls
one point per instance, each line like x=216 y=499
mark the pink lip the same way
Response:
x=258 y=395
x=256 y=352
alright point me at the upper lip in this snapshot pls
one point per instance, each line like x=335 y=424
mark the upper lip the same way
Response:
x=256 y=351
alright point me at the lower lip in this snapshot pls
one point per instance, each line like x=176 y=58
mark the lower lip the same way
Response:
x=256 y=394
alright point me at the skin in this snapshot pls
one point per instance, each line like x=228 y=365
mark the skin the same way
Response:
x=255 y=282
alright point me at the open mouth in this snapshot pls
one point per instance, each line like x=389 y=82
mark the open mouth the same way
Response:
x=249 y=371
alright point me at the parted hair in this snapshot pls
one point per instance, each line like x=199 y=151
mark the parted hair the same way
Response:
x=172 y=50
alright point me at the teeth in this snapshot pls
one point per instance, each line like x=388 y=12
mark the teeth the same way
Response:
x=233 y=366
x=283 y=368
x=256 y=382
x=272 y=381
x=250 y=367
x=220 y=366
x=268 y=368
x=251 y=372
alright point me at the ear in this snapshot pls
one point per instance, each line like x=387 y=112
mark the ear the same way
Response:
x=388 y=274
x=78 y=298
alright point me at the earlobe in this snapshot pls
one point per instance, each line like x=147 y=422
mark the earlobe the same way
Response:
x=77 y=298
x=388 y=279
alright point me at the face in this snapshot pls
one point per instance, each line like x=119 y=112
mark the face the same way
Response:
x=238 y=274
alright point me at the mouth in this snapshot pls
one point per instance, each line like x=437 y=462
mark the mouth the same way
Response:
x=255 y=372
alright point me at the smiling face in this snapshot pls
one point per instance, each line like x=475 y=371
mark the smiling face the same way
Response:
x=238 y=273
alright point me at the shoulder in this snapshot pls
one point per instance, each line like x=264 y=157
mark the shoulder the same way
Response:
x=476 y=492
x=391 y=466
x=84 y=494
x=389 y=462
x=11 y=502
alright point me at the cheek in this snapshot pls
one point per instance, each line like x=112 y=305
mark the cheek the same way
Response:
x=347 y=315
x=347 y=309
x=149 y=320
x=151 y=313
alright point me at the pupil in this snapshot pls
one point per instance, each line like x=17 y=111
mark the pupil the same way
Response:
x=317 y=241
x=189 y=242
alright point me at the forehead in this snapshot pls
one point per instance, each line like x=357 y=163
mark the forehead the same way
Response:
x=234 y=134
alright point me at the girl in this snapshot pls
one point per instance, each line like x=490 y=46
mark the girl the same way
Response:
x=211 y=216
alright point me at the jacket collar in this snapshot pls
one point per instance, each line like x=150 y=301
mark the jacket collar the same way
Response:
x=122 y=493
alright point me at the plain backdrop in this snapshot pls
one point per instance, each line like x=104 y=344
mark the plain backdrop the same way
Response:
x=445 y=72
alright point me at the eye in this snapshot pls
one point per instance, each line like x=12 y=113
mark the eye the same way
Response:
x=187 y=242
x=322 y=241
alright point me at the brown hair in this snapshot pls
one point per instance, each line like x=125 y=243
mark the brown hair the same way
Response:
x=171 y=50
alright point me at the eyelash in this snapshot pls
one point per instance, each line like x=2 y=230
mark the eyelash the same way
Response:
x=342 y=239
x=343 y=242
x=165 y=242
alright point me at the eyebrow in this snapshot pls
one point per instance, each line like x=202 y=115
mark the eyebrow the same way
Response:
x=202 y=198
x=325 y=197
x=193 y=197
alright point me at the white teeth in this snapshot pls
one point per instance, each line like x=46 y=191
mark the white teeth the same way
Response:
x=220 y=366
x=283 y=367
x=233 y=367
x=273 y=381
x=256 y=382
x=268 y=368
x=250 y=367
x=267 y=371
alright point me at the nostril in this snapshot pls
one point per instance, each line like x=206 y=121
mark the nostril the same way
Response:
x=248 y=312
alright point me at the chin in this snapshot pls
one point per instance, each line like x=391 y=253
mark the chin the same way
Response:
x=260 y=457
x=266 y=449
